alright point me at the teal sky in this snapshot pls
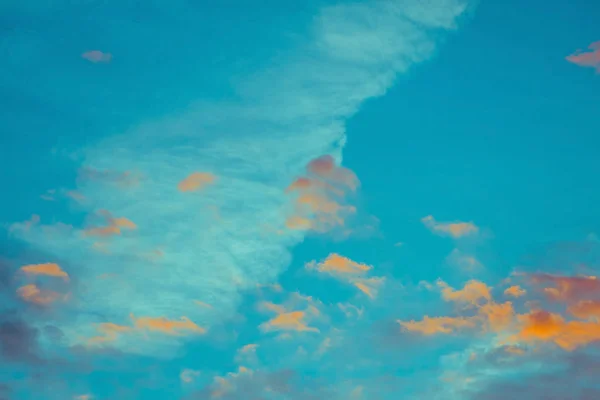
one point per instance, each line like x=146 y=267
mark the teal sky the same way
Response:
x=334 y=200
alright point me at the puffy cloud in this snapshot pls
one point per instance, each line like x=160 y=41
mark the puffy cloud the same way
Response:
x=346 y=270
x=515 y=291
x=453 y=229
x=590 y=58
x=47 y=269
x=196 y=181
x=324 y=167
x=471 y=294
x=337 y=264
x=544 y=326
x=97 y=56
x=31 y=293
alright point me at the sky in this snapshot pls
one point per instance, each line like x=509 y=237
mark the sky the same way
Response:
x=352 y=200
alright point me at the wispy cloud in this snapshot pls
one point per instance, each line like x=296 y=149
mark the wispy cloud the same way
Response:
x=282 y=119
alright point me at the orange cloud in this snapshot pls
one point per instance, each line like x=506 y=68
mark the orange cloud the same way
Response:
x=97 y=56
x=568 y=288
x=32 y=294
x=454 y=229
x=349 y=271
x=589 y=58
x=110 y=332
x=164 y=325
x=114 y=225
x=335 y=263
x=515 y=291
x=369 y=286
x=548 y=327
x=196 y=181
x=433 y=325
x=325 y=167
x=498 y=317
x=289 y=321
x=472 y=293
x=48 y=269
x=319 y=203
x=586 y=309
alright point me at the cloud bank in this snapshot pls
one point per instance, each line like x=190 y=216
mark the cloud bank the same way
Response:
x=165 y=242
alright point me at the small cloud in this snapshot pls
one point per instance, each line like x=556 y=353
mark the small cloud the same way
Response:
x=83 y=397
x=113 y=225
x=167 y=326
x=337 y=264
x=196 y=181
x=188 y=375
x=97 y=56
x=49 y=195
x=590 y=58
x=324 y=167
x=47 y=269
x=586 y=309
x=434 y=325
x=399 y=244
x=465 y=262
x=346 y=270
x=289 y=321
x=567 y=288
x=515 y=291
x=453 y=229
x=471 y=294
x=369 y=286
x=110 y=332
x=33 y=294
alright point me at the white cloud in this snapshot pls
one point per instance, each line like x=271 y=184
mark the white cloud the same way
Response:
x=255 y=145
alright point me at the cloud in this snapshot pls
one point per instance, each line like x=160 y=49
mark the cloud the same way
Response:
x=590 y=58
x=434 y=325
x=346 y=270
x=543 y=326
x=463 y=261
x=31 y=293
x=196 y=181
x=18 y=340
x=97 y=56
x=471 y=294
x=257 y=142
x=453 y=229
x=319 y=200
x=47 y=269
x=567 y=288
x=515 y=291
x=188 y=375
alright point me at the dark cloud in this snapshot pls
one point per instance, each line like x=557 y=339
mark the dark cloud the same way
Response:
x=560 y=376
x=18 y=340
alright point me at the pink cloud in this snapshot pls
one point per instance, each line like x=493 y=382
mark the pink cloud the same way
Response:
x=590 y=58
x=97 y=56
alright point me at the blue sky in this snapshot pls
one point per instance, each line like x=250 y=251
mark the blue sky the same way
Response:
x=352 y=200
